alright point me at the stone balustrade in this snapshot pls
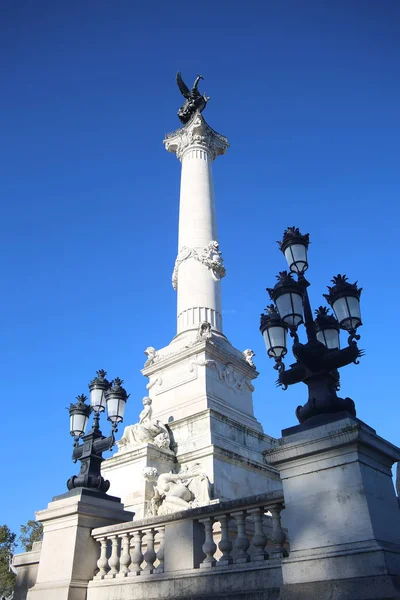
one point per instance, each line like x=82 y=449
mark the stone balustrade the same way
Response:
x=226 y=535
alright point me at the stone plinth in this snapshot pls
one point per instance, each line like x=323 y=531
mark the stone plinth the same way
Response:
x=341 y=510
x=193 y=374
x=124 y=470
x=69 y=554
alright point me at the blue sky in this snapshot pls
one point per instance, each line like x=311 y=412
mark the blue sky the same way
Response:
x=308 y=95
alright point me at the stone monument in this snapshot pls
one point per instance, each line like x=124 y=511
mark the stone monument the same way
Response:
x=199 y=386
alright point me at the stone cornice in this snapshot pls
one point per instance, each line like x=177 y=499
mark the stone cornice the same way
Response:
x=346 y=433
x=212 y=349
x=137 y=453
x=196 y=134
x=212 y=412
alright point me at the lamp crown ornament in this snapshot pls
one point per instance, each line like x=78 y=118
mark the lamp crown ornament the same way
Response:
x=341 y=284
x=292 y=235
x=100 y=380
x=81 y=398
x=116 y=388
x=323 y=317
x=284 y=279
x=271 y=315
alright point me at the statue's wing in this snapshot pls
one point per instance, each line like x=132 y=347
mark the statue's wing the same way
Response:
x=182 y=86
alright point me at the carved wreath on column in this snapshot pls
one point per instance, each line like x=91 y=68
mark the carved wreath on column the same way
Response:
x=210 y=256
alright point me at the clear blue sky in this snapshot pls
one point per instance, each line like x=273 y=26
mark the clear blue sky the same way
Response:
x=308 y=94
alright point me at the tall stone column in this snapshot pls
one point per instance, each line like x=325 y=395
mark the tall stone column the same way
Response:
x=199 y=265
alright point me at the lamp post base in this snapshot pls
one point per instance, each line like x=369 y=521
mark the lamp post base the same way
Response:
x=323 y=420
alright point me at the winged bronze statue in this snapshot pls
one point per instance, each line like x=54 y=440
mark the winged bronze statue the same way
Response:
x=194 y=100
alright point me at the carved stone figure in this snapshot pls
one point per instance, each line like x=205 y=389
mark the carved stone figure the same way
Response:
x=145 y=430
x=151 y=354
x=204 y=331
x=211 y=256
x=177 y=491
x=248 y=357
x=194 y=100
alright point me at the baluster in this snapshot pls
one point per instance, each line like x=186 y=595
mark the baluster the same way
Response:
x=259 y=538
x=278 y=535
x=125 y=556
x=113 y=561
x=161 y=551
x=225 y=545
x=149 y=556
x=136 y=554
x=209 y=547
x=102 y=563
x=242 y=541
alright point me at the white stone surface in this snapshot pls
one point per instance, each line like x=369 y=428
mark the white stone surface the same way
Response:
x=190 y=376
x=69 y=553
x=198 y=285
x=341 y=511
x=124 y=470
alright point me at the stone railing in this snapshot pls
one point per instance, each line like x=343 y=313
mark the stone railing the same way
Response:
x=228 y=534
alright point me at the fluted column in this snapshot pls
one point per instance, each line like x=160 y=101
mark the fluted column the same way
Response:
x=199 y=264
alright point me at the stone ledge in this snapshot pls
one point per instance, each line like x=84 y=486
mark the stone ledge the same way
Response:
x=324 y=438
x=194 y=513
x=210 y=347
x=379 y=587
x=261 y=582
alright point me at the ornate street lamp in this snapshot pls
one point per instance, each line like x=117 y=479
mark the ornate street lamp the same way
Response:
x=103 y=394
x=317 y=361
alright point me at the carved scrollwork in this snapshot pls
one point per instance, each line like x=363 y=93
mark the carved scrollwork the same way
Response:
x=226 y=373
x=210 y=256
x=196 y=133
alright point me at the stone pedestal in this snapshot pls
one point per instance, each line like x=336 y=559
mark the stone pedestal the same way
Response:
x=124 y=470
x=69 y=554
x=202 y=390
x=341 y=512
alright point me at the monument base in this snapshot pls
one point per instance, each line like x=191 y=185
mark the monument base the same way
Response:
x=341 y=510
x=125 y=472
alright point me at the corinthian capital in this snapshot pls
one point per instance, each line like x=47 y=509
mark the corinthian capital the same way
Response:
x=196 y=134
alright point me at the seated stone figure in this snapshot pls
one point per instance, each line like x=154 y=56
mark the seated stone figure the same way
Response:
x=145 y=430
x=178 y=491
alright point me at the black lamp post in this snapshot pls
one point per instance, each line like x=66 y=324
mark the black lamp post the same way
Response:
x=103 y=394
x=317 y=361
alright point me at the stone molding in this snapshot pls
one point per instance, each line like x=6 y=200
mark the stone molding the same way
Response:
x=196 y=134
x=196 y=347
x=350 y=433
x=226 y=373
x=358 y=547
x=144 y=451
